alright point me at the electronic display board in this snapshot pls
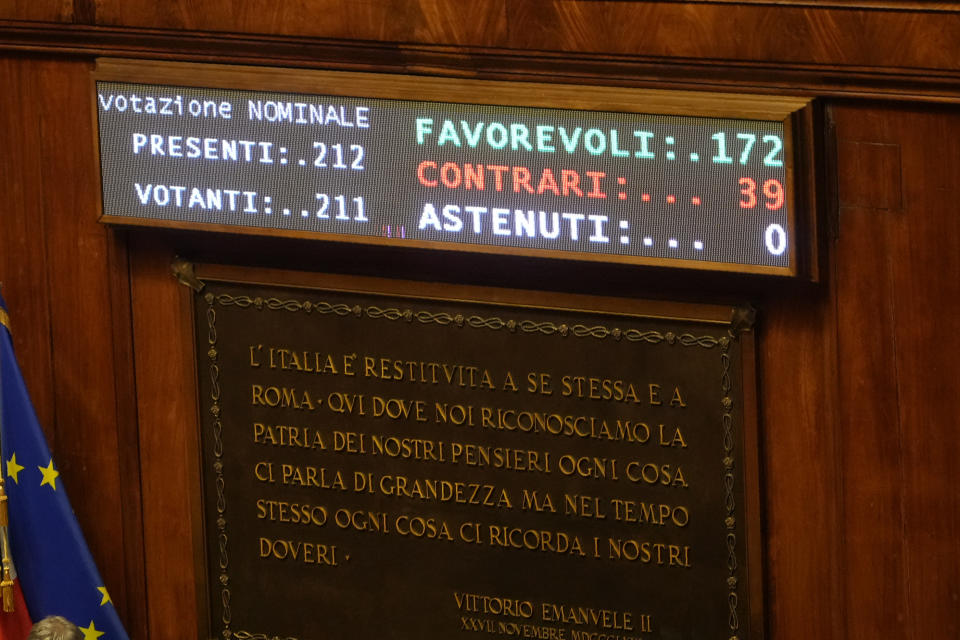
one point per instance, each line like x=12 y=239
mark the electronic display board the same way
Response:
x=531 y=175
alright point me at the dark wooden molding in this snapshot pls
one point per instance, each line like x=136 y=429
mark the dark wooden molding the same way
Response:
x=925 y=6
x=478 y=62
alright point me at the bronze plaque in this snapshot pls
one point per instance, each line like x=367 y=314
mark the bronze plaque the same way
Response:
x=381 y=465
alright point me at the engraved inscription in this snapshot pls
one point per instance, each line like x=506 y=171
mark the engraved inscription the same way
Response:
x=444 y=469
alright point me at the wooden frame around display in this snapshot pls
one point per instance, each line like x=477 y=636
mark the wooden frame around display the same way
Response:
x=797 y=114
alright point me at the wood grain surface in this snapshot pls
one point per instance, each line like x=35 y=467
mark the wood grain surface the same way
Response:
x=58 y=286
x=857 y=374
x=861 y=38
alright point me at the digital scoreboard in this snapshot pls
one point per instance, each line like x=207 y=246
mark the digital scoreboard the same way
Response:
x=589 y=173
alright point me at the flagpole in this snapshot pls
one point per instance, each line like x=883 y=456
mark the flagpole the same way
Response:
x=6 y=582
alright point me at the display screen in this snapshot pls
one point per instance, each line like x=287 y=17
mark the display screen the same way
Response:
x=628 y=187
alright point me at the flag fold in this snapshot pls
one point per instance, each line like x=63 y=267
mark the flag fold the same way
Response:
x=54 y=567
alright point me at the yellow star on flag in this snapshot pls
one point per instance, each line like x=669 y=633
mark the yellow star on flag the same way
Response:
x=106 y=596
x=91 y=633
x=13 y=468
x=49 y=475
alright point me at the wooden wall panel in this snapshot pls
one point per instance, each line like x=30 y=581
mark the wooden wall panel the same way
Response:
x=867 y=384
x=23 y=251
x=82 y=329
x=801 y=453
x=440 y=21
x=845 y=48
x=898 y=278
x=133 y=608
x=167 y=419
x=870 y=431
x=77 y=279
x=43 y=11
x=55 y=256
x=763 y=34
x=927 y=303
x=768 y=34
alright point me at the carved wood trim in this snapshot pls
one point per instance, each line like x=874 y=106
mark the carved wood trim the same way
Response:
x=473 y=62
x=924 y=6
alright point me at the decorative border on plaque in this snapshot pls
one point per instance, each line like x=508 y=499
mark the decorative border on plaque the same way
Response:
x=600 y=332
x=246 y=635
x=729 y=481
x=217 y=432
x=473 y=321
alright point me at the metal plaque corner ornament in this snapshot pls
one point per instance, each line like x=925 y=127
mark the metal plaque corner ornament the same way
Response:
x=413 y=467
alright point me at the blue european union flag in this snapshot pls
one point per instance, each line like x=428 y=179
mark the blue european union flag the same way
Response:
x=54 y=566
